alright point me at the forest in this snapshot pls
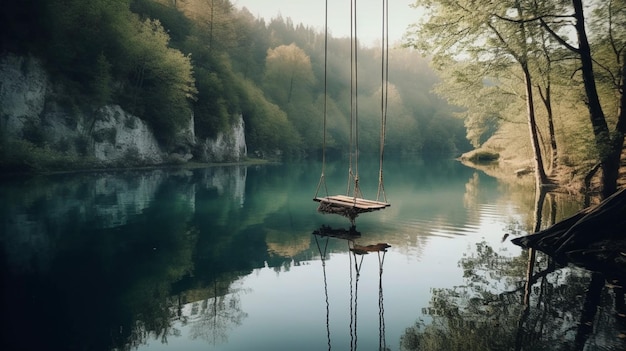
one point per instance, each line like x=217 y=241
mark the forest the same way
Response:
x=535 y=85
x=163 y=60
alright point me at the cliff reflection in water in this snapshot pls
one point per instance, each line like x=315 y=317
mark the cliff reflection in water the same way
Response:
x=103 y=261
x=90 y=259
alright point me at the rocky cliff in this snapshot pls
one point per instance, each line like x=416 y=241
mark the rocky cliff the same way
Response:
x=30 y=110
x=226 y=147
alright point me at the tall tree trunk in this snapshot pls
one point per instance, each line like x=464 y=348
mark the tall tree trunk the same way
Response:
x=546 y=97
x=617 y=139
x=211 y=25
x=621 y=121
x=554 y=159
x=610 y=167
x=522 y=59
x=290 y=87
x=540 y=173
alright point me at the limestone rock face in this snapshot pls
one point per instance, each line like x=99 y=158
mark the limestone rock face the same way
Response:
x=121 y=136
x=29 y=111
x=226 y=147
x=23 y=88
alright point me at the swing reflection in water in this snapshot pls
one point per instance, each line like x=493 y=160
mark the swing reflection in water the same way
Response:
x=356 y=253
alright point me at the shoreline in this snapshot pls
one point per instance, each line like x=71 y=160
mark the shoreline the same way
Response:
x=186 y=165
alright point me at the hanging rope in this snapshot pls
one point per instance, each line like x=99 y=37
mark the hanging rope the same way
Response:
x=384 y=96
x=354 y=203
x=353 y=187
x=322 y=180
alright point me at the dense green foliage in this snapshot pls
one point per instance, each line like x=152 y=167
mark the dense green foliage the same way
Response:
x=165 y=61
x=518 y=66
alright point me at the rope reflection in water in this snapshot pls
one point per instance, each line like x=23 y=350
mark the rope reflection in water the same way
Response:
x=356 y=254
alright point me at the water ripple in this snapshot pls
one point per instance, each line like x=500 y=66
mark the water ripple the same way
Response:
x=480 y=219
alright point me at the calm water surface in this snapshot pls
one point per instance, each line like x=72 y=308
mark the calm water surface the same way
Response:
x=225 y=258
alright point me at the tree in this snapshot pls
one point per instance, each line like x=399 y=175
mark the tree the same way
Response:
x=287 y=68
x=608 y=146
x=611 y=16
x=248 y=56
x=493 y=35
x=163 y=83
x=545 y=67
x=105 y=53
x=177 y=25
x=214 y=20
x=485 y=97
x=263 y=120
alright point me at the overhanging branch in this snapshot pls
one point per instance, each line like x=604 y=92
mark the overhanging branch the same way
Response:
x=558 y=37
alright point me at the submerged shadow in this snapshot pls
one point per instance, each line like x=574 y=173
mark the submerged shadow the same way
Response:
x=357 y=253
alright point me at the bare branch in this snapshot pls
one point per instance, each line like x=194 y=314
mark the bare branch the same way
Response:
x=528 y=20
x=558 y=37
x=614 y=79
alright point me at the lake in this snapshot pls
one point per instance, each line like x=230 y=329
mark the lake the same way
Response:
x=238 y=258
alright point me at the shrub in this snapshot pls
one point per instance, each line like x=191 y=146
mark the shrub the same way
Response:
x=481 y=156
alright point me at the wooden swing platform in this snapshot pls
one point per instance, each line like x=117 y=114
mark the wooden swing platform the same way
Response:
x=342 y=203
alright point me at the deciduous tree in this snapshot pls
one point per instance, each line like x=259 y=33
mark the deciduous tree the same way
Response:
x=493 y=35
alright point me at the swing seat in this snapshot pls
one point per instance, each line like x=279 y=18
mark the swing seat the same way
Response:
x=343 y=203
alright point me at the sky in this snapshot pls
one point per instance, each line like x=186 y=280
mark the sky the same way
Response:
x=311 y=13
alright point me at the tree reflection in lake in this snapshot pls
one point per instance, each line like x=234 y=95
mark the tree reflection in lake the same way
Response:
x=212 y=318
x=487 y=312
x=357 y=253
x=555 y=308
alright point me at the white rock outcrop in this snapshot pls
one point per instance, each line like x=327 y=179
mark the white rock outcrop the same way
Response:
x=121 y=136
x=23 y=88
x=226 y=147
x=110 y=134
